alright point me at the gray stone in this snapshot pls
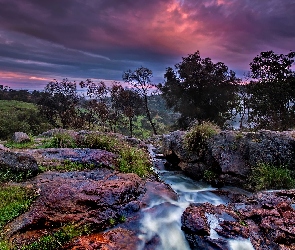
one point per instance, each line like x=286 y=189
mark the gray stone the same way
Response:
x=21 y=137
x=18 y=163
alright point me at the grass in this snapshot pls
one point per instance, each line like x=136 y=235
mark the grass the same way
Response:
x=7 y=175
x=14 y=201
x=16 y=145
x=267 y=176
x=59 y=238
x=68 y=165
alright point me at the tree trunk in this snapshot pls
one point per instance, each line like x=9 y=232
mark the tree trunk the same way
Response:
x=130 y=126
x=148 y=114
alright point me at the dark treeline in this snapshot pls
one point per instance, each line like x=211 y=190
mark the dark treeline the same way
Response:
x=201 y=90
x=195 y=90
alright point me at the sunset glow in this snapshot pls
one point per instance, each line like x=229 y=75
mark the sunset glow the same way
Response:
x=101 y=39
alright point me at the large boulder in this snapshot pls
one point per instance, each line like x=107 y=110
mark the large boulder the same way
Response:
x=20 y=137
x=266 y=218
x=20 y=164
x=231 y=154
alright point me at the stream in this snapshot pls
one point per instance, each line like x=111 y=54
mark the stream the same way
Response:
x=161 y=221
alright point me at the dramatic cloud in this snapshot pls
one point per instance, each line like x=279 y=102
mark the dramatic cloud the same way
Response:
x=79 y=39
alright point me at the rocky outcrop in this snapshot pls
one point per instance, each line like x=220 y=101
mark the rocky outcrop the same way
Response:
x=267 y=219
x=18 y=163
x=86 y=197
x=231 y=154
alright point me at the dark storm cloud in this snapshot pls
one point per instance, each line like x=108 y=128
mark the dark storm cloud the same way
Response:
x=100 y=39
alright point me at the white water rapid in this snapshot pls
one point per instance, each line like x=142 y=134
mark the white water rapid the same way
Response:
x=161 y=222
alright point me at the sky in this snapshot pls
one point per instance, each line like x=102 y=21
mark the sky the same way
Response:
x=42 y=40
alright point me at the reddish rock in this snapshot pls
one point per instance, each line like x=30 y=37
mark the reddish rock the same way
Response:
x=266 y=218
x=116 y=239
x=87 y=197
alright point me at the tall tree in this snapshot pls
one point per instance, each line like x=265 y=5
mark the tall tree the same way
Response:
x=59 y=101
x=96 y=105
x=272 y=91
x=200 y=90
x=140 y=79
x=128 y=102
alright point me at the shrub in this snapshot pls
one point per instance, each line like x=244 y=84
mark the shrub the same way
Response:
x=60 y=140
x=197 y=136
x=267 y=176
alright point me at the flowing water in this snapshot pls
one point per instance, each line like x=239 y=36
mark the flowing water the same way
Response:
x=161 y=222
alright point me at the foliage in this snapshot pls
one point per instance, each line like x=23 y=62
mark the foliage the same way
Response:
x=60 y=140
x=18 y=145
x=200 y=89
x=272 y=92
x=68 y=165
x=97 y=111
x=267 y=176
x=128 y=102
x=133 y=160
x=59 y=103
x=20 y=116
x=196 y=138
x=8 y=175
x=140 y=79
x=14 y=201
x=4 y=245
x=59 y=238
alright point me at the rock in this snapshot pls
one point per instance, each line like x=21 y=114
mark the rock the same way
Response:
x=18 y=163
x=173 y=144
x=20 y=137
x=231 y=154
x=55 y=156
x=266 y=218
x=86 y=197
x=116 y=239
x=3 y=148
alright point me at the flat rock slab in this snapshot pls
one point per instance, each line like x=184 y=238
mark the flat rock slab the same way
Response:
x=86 y=197
x=54 y=156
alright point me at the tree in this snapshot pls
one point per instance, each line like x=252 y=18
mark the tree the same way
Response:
x=140 y=79
x=59 y=102
x=128 y=101
x=272 y=91
x=200 y=90
x=96 y=106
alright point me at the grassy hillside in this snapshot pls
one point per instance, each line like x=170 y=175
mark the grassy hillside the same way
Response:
x=20 y=116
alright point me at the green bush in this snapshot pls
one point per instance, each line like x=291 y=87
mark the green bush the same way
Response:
x=133 y=160
x=197 y=136
x=267 y=176
x=60 y=140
